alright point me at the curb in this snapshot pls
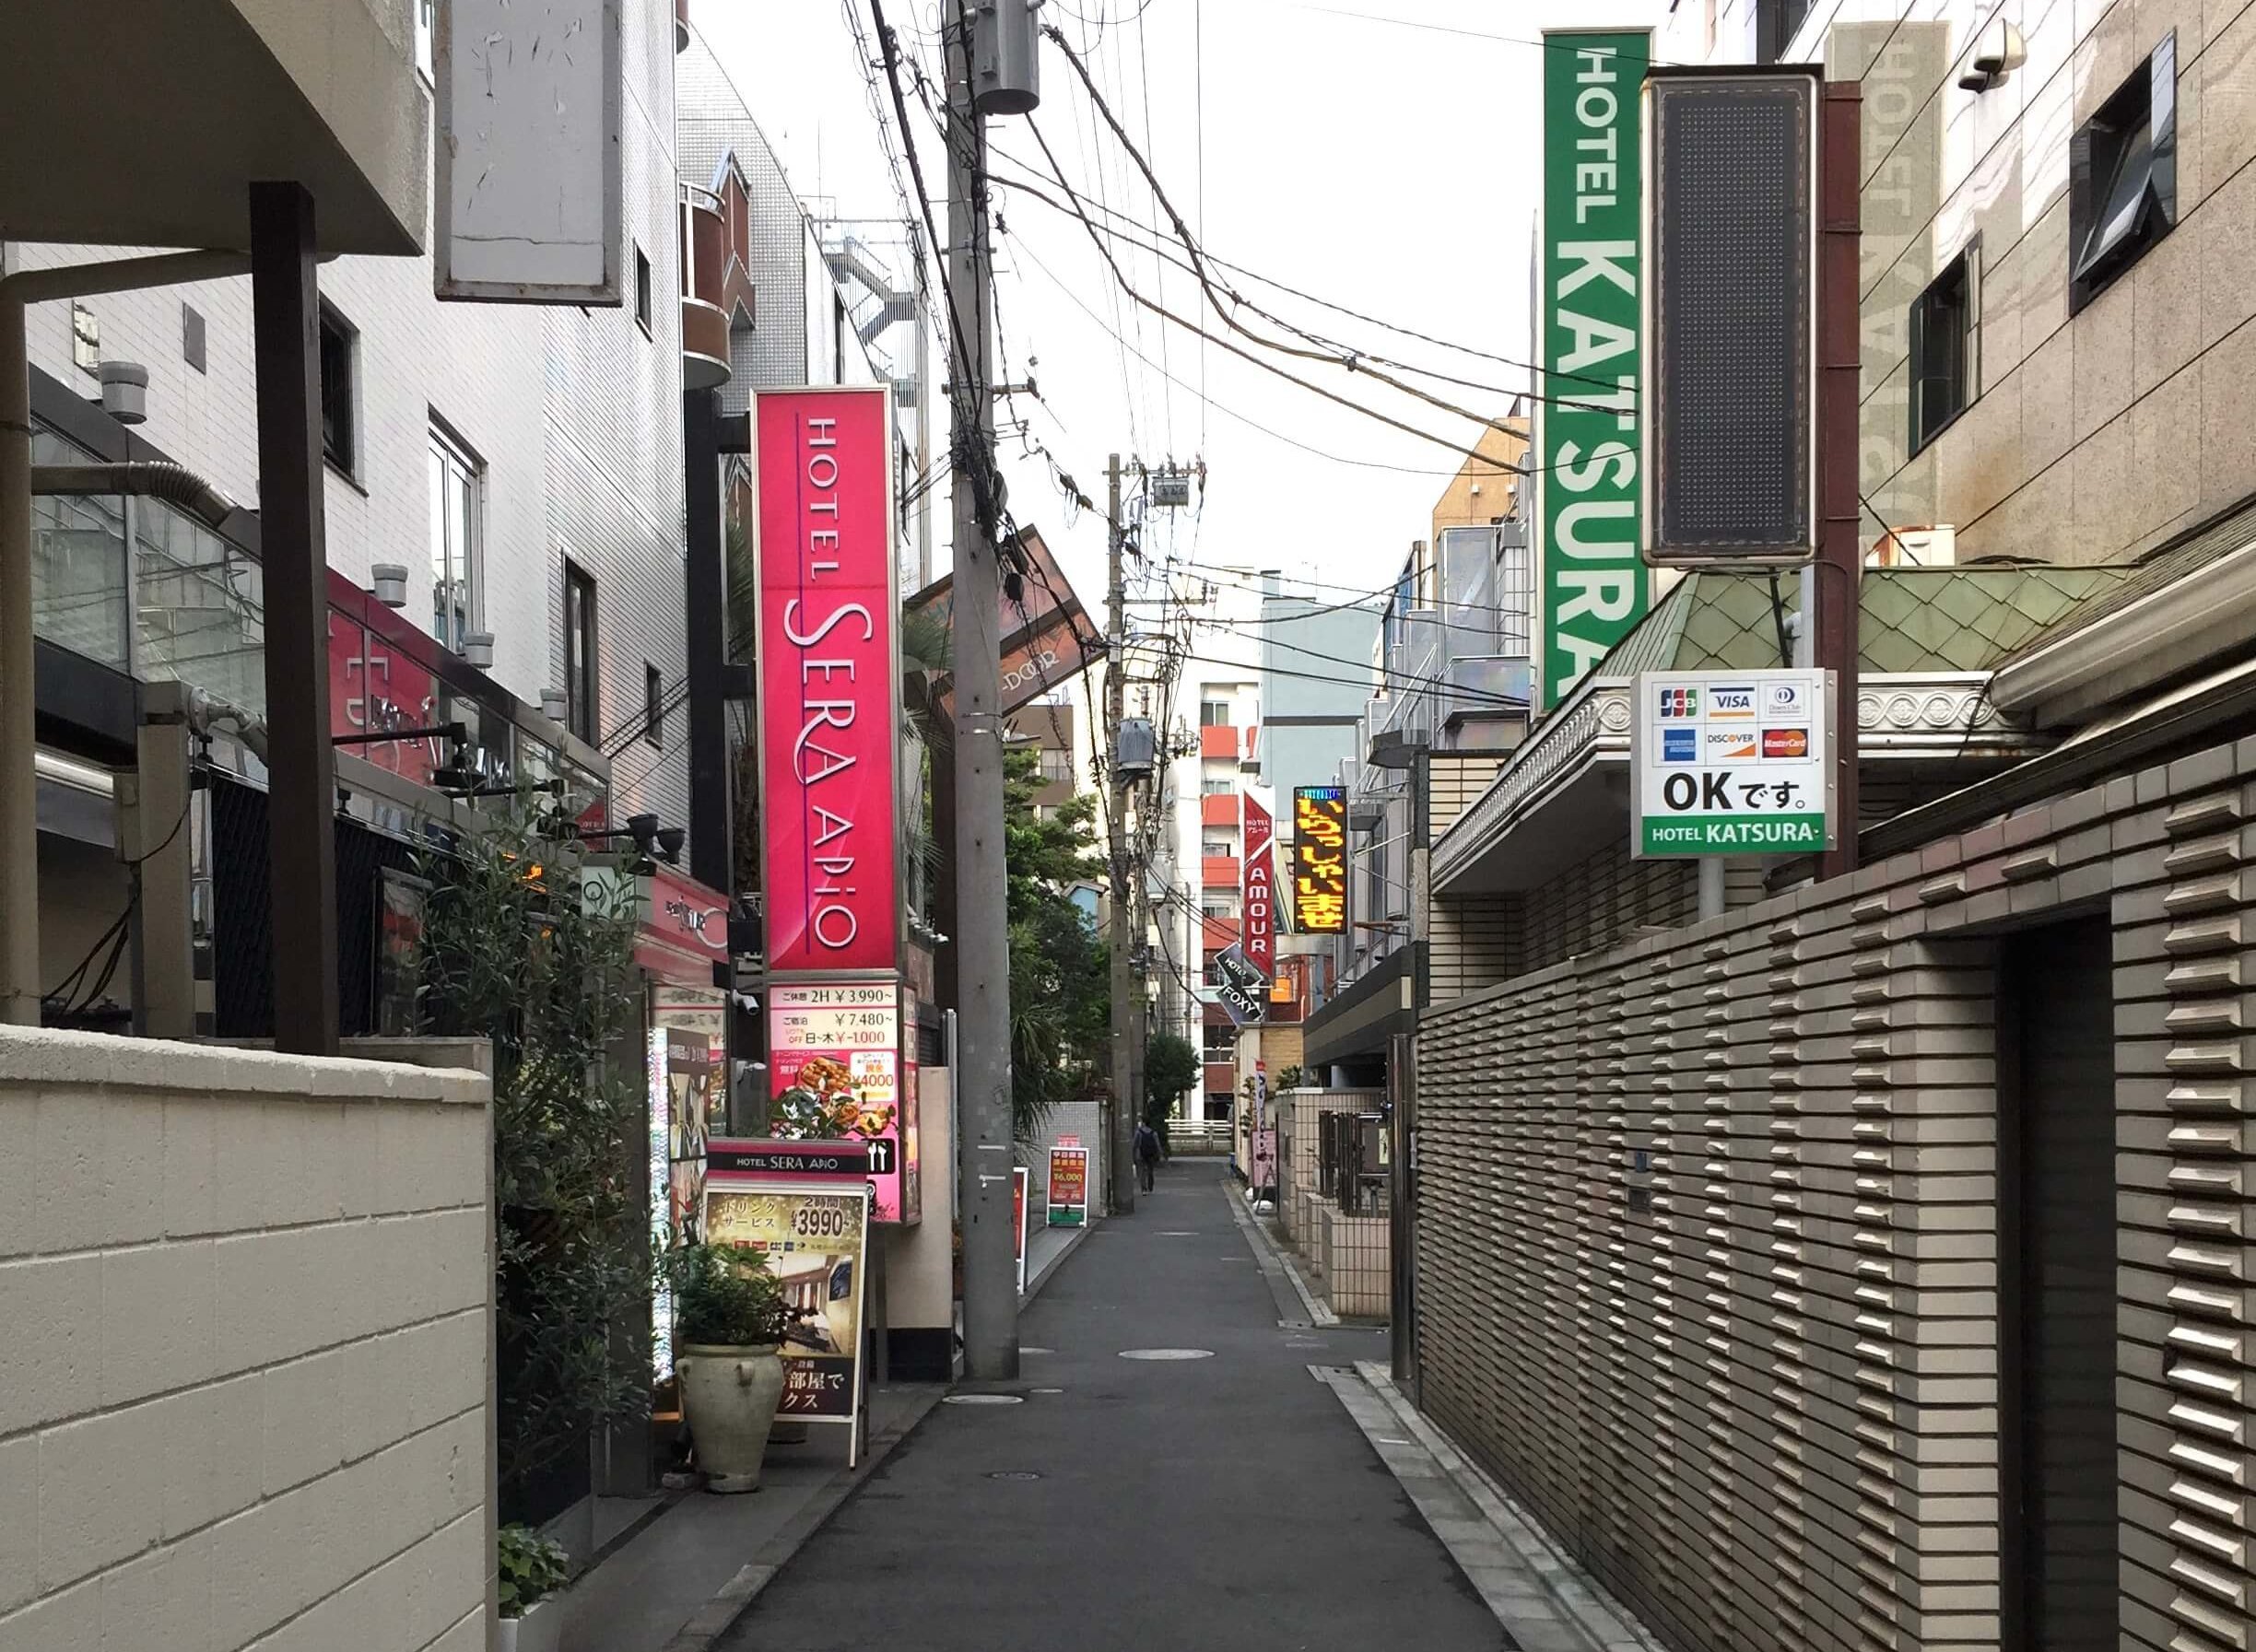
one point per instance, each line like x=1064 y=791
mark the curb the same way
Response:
x=1274 y=1259
x=734 y=1598
x=1035 y=1281
x=1581 y=1605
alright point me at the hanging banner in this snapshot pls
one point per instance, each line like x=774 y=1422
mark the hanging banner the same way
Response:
x=1257 y=889
x=1590 y=309
x=1068 y=1186
x=813 y=1240
x=834 y=1073
x=830 y=672
x=1319 y=860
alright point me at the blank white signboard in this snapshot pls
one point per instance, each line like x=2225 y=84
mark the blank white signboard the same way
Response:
x=528 y=207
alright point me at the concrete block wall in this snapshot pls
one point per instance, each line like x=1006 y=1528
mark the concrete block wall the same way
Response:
x=1708 y=1246
x=1353 y=1251
x=246 y=1385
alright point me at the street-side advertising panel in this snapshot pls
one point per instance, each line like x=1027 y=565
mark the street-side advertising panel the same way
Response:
x=1319 y=860
x=1068 y=1185
x=835 y=1074
x=1257 y=888
x=813 y=1239
x=1018 y=1220
x=1590 y=311
x=828 y=675
x=1733 y=763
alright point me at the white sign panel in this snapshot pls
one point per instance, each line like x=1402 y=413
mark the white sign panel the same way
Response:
x=527 y=204
x=1735 y=763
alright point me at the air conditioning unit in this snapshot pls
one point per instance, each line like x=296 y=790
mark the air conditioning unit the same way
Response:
x=1916 y=548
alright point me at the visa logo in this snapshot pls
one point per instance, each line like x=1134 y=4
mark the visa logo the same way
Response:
x=1731 y=704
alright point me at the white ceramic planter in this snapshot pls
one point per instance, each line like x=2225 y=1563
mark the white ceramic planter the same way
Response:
x=730 y=1395
x=540 y=1630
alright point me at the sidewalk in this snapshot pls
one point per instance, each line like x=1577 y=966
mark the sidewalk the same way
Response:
x=1227 y=1500
x=645 y=1593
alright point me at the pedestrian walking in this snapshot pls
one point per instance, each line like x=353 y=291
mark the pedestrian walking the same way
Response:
x=1146 y=1154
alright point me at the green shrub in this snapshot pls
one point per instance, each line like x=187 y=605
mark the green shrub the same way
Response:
x=533 y=1567
x=725 y=1298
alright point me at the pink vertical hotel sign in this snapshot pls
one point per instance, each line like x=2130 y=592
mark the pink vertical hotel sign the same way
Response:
x=830 y=832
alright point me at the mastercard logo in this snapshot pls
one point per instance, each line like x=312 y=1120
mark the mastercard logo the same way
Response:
x=1785 y=743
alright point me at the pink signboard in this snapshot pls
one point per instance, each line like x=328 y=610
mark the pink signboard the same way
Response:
x=835 y=1074
x=1257 y=882
x=828 y=681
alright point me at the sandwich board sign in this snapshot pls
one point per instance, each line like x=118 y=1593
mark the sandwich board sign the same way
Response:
x=1733 y=763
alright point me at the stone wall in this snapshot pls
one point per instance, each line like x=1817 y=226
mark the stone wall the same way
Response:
x=1709 y=1250
x=245 y=1379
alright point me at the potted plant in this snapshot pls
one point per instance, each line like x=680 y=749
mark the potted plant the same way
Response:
x=729 y=1317
x=533 y=1567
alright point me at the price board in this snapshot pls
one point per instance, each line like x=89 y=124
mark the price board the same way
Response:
x=815 y=1240
x=1068 y=1186
x=835 y=1071
x=1736 y=764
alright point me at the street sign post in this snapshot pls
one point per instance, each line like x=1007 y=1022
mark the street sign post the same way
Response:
x=1733 y=763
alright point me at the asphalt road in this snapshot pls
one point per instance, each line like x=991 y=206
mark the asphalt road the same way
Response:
x=1226 y=1502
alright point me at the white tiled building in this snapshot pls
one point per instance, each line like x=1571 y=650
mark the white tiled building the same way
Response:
x=565 y=424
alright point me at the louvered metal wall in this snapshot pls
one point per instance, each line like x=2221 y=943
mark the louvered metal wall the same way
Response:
x=1708 y=1241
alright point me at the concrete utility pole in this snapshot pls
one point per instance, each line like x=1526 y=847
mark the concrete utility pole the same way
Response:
x=1126 y=1046
x=982 y=945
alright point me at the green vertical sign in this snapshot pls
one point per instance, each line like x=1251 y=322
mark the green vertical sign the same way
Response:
x=1590 y=309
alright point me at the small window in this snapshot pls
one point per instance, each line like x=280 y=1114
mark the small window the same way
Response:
x=86 y=339
x=425 y=21
x=457 y=499
x=1776 y=22
x=643 y=289
x=191 y=336
x=1216 y=786
x=654 y=705
x=1945 y=365
x=339 y=393
x=2122 y=177
x=579 y=653
x=1220 y=848
x=1214 y=714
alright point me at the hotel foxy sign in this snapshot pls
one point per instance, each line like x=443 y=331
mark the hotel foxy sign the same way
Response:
x=841 y=1027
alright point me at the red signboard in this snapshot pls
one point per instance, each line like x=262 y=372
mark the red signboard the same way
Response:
x=828 y=690
x=1045 y=638
x=1257 y=889
x=687 y=914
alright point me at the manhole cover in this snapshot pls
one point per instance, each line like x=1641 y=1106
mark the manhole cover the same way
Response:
x=1178 y=1232
x=1037 y=1351
x=1049 y=1390
x=1167 y=1354
x=984 y=1399
x=1012 y=1474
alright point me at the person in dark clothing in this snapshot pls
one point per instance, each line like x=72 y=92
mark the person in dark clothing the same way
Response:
x=1146 y=1154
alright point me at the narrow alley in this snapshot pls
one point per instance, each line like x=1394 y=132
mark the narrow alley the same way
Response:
x=1225 y=1500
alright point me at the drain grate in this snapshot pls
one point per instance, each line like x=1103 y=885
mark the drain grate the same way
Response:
x=984 y=1399
x=1012 y=1474
x=1167 y=1354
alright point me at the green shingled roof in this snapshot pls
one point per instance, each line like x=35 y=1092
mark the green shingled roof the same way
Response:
x=1914 y=618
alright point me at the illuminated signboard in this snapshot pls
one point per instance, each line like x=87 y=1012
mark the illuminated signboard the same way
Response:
x=1319 y=860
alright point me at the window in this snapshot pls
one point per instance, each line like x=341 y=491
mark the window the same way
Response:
x=340 y=350
x=1775 y=23
x=1216 y=786
x=579 y=653
x=86 y=339
x=1216 y=908
x=2122 y=171
x=456 y=490
x=654 y=706
x=425 y=21
x=643 y=290
x=1945 y=365
x=191 y=336
x=1057 y=766
x=1219 y=849
x=1214 y=714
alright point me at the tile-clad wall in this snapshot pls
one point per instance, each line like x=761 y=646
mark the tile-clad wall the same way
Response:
x=247 y=1376
x=1708 y=1247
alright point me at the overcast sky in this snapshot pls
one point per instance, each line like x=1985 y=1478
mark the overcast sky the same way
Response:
x=1379 y=154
